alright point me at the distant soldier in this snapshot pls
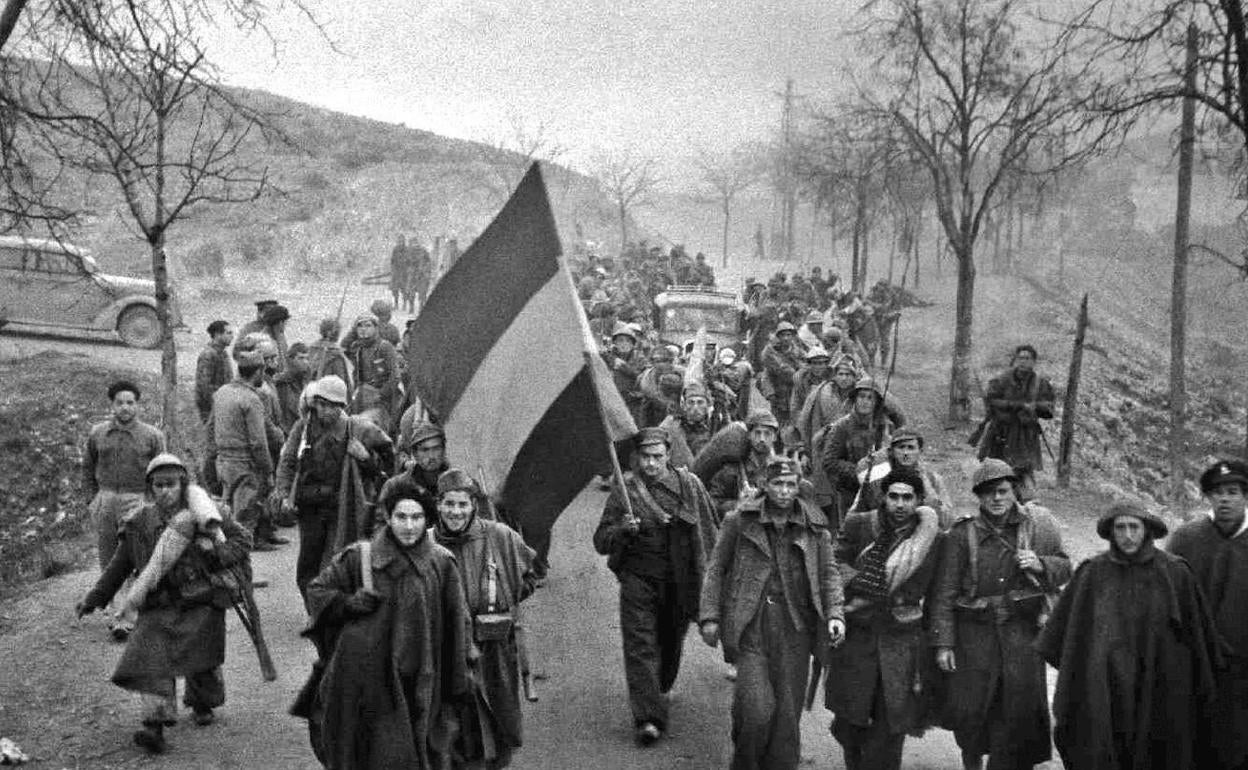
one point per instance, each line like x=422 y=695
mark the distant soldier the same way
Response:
x=422 y=460
x=325 y=356
x=742 y=478
x=781 y=359
x=238 y=445
x=690 y=430
x=996 y=570
x=626 y=364
x=813 y=373
x=656 y=542
x=257 y=324
x=905 y=450
x=213 y=368
x=330 y=468
x=376 y=370
x=1014 y=404
x=275 y=318
x=400 y=270
x=856 y=442
x=1216 y=547
x=421 y=278
x=290 y=383
x=114 y=473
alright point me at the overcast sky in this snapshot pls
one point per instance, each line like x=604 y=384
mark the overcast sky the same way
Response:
x=655 y=76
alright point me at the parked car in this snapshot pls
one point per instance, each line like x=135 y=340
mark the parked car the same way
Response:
x=51 y=286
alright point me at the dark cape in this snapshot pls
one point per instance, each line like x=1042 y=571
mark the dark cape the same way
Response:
x=1135 y=648
x=362 y=712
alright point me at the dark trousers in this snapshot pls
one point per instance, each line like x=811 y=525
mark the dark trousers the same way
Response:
x=992 y=738
x=772 y=667
x=653 y=628
x=317 y=527
x=874 y=746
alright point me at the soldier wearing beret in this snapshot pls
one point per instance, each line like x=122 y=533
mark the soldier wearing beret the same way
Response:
x=1216 y=547
x=690 y=430
x=773 y=596
x=656 y=532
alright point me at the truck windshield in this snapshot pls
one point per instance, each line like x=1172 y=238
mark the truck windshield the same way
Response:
x=723 y=320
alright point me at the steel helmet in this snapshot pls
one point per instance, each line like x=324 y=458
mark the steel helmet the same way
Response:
x=164 y=460
x=332 y=389
x=991 y=470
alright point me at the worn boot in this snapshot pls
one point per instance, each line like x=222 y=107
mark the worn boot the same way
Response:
x=151 y=737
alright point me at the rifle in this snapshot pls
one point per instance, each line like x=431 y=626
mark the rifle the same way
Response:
x=244 y=601
x=521 y=634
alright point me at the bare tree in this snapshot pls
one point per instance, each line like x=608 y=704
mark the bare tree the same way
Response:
x=972 y=91
x=629 y=180
x=126 y=92
x=728 y=173
x=509 y=155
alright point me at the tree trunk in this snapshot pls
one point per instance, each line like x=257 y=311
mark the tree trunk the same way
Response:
x=623 y=227
x=857 y=244
x=964 y=316
x=724 y=260
x=8 y=19
x=1178 y=295
x=918 y=233
x=168 y=352
x=1070 y=402
x=1009 y=234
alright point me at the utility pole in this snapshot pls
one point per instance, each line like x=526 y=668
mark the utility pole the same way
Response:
x=1178 y=295
x=787 y=236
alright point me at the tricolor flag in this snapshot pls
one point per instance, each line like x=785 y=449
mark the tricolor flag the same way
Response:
x=502 y=353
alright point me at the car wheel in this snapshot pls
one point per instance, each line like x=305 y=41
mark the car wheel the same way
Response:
x=138 y=327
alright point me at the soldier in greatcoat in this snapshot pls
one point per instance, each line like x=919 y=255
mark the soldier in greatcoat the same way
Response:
x=1216 y=547
x=997 y=570
x=772 y=595
x=875 y=687
x=1014 y=404
x=180 y=630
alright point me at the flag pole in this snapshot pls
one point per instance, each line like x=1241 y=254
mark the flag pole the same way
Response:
x=617 y=472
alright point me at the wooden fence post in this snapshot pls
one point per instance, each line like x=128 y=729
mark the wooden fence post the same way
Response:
x=1065 y=444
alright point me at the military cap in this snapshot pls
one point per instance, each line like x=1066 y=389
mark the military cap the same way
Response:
x=651 y=436
x=989 y=471
x=694 y=389
x=1224 y=472
x=1105 y=525
x=781 y=466
x=817 y=351
x=261 y=304
x=623 y=330
x=381 y=307
x=814 y=317
x=425 y=430
x=785 y=326
x=330 y=327
x=761 y=417
x=906 y=434
x=365 y=318
x=845 y=362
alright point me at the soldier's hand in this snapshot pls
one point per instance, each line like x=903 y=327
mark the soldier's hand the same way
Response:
x=710 y=633
x=287 y=506
x=1027 y=560
x=836 y=631
x=357 y=450
x=83 y=609
x=945 y=661
x=363 y=602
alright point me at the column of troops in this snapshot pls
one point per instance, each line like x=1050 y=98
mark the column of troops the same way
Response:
x=810 y=539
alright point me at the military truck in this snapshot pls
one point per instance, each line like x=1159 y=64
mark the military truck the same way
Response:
x=683 y=310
